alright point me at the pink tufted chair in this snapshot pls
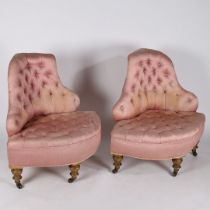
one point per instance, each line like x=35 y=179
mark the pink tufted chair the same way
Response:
x=157 y=118
x=44 y=128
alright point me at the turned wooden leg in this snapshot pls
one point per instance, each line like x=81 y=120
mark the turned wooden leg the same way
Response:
x=117 y=162
x=194 y=152
x=17 y=176
x=176 y=165
x=74 y=172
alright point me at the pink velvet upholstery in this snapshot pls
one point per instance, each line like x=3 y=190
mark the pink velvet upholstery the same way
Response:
x=157 y=118
x=42 y=125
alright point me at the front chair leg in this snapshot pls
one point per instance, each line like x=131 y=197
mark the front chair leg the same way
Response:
x=117 y=162
x=194 y=152
x=17 y=176
x=176 y=165
x=74 y=172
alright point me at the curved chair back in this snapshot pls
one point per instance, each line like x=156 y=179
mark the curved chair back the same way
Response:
x=35 y=89
x=151 y=83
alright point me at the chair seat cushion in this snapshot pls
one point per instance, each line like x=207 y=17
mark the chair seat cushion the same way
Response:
x=157 y=134
x=56 y=139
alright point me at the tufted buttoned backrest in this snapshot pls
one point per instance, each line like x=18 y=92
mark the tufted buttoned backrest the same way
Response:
x=35 y=89
x=151 y=83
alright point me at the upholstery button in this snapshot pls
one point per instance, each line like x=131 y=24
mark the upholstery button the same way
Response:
x=56 y=84
x=189 y=100
x=24 y=106
x=148 y=62
x=140 y=63
x=44 y=83
x=25 y=90
x=149 y=79
x=139 y=95
x=36 y=74
x=50 y=93
x=39 y=93
x=131 y=100
x=137 y=75
x=19 y=83
x=141 y=82
x=159 y=64
x=159 y=80
x=145 y=89
x=26 y=78
x=154 y=71
x=48 y=74
x=32 y=85
x=19 y=97
x=16 y=122
x=166 y=73
x=30 y=98
x=154 y=88
x=41 y=65
x=122 y=108
x=133 y=88
x=21 y=72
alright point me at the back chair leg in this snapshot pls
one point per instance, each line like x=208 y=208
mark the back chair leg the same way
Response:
x=117 y=162
x=17 y=176
x=74 y=172
x=194 y=150
x=176 y=165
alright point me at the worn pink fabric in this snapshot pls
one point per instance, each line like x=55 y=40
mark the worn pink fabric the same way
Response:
x=34 y=89
x=151 y=83
x=56 y=139
x=158 y=134
x=157 y=118
x=41 y=124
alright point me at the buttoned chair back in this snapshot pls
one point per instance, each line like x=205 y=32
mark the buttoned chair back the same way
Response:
x=151 y=83
x=35 y=89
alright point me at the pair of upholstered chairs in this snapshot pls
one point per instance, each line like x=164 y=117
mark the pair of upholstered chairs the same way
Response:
x=157 y=118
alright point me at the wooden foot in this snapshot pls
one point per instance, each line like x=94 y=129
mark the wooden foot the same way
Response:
x=17 y=177
x=117 y=162
x=74 y=172
x=194 y=152
x=176 y=165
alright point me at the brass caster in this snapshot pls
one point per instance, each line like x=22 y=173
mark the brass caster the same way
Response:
x=176 y=165
x=114 y=171
x=194 y=150
x=74 y=172
x=175 y=173
x=70 y=180
x=17 y=177
x=194 y=153
x=117 y=163
x=19 y=185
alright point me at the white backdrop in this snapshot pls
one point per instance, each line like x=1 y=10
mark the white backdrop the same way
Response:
x=91 y=40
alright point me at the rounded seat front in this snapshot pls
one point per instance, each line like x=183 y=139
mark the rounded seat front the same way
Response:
x=157 y=134
x=56 y=139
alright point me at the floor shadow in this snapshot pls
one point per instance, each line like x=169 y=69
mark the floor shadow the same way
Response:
x=95 y=82
x=52 y=171
x=131 y=163
x=162 y=164
x=97 y=162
